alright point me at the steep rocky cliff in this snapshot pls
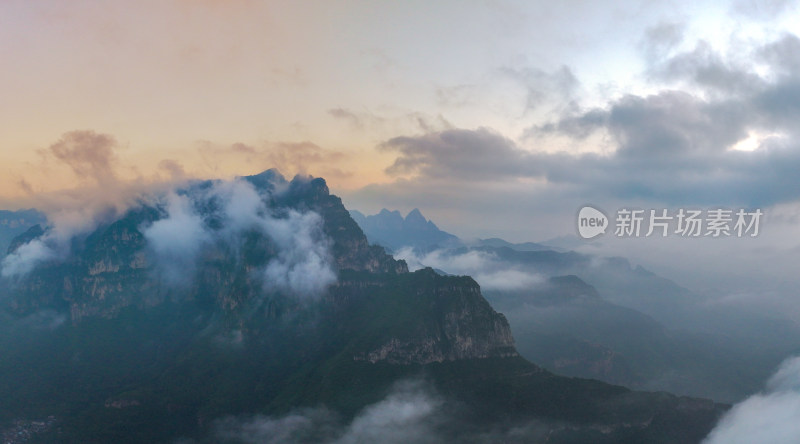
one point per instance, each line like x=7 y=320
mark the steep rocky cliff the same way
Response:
x=422 y=317
x=443 y=318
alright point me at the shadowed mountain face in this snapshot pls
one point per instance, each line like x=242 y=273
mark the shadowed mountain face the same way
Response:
x=228 y=311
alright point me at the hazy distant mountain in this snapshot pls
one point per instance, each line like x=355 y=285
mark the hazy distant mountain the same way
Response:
x=565 y=325
x=523 y=246
x=640 y=330
x=391 y=230
x=256 y=310
x=14 y=223
x=566 y=242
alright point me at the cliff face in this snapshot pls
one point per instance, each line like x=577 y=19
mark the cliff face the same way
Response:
x=422 y=317
x=107 y=271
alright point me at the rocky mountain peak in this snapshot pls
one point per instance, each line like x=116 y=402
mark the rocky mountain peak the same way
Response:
x=300 y=234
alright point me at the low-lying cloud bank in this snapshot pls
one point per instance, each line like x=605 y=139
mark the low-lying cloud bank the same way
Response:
x=484 y=267
x=408 y=414
x=411 y=413
x=770 y=416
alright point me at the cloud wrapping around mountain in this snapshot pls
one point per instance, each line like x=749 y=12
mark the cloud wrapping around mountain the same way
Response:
x=302 y=262
x=26 y=257
x=177 y=239
x=770 y=416
x=54 y=244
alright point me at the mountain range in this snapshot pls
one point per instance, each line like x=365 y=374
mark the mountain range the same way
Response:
x=256 y=310
x=601 y=317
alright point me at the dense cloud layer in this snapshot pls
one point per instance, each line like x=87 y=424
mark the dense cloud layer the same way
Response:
x=719 y=129
x=770 y=416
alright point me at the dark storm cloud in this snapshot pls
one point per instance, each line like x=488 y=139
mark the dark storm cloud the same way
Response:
x=672 y=147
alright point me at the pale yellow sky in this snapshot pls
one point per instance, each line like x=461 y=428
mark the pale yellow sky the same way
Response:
x=166 y=78
x=221 y=88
